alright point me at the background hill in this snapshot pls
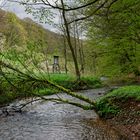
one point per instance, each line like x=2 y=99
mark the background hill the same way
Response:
x=25 y=34
x=20 y=32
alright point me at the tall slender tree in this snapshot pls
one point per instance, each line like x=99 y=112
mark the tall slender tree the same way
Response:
x=47 y=9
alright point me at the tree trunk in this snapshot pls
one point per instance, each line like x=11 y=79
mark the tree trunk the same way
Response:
x=77 y=71
x=65 y=54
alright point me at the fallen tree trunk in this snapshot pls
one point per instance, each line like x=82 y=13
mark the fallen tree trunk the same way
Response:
x=92 y=104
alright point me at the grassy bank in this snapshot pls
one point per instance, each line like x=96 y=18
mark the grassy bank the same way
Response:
x=114 y=102
x=121 y=109
x=18 y=87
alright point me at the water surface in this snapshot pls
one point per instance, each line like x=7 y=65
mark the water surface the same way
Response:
x=52 y=121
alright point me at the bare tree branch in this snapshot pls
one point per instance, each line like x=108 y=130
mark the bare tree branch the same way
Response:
x=47 y=3
x=91 y=14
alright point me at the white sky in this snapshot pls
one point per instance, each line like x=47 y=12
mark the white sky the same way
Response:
x=19 y=10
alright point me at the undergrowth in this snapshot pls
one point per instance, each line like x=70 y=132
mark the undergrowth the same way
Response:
x=109 y=105
x=15 y=87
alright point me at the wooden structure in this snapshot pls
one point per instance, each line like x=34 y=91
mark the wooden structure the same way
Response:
x=56 y=67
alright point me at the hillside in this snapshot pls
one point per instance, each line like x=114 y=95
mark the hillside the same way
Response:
x=27 y=36
x=51 y=40
x=26 y=39
x=21 y=32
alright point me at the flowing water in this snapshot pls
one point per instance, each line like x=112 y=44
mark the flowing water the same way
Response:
x=53 y=121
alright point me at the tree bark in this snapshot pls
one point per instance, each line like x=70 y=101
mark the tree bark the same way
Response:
x=77 y=71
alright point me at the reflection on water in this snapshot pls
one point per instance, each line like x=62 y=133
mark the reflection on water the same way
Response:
x=51 y=121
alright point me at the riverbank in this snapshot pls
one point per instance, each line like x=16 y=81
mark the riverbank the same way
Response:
x=121 y=109
x=56 y=121
x=128 y=121
x=15 y=87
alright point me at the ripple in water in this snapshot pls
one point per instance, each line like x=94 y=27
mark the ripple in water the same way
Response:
x=49 y=121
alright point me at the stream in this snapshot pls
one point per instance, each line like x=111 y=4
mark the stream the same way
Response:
x=52 y=121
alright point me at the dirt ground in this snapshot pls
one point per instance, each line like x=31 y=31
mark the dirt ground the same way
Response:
x=127 y=121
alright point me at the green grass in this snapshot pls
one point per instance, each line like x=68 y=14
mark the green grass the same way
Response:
x=63 y=80
x=26 y=87
x=46 y=91
x=92 y=82
x=107 y=106
x=69 y=81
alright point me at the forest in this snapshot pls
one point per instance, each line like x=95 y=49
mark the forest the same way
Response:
x=96 y=47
